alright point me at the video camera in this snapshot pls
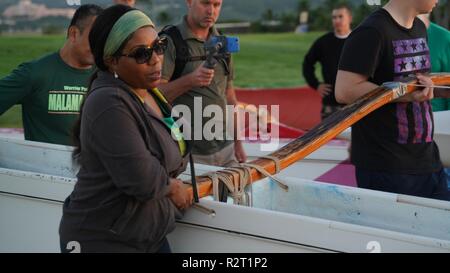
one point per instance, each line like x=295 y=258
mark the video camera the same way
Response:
x=220 y=47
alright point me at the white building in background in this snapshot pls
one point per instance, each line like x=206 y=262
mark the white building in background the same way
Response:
x=27 y=10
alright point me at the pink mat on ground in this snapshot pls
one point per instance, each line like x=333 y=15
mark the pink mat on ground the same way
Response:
x=343 y=174
x=11 y=131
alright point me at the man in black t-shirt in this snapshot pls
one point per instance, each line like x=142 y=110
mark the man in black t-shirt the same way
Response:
x=393 y=148
x=326 y=50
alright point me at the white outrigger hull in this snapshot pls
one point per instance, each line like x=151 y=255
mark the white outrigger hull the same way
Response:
x=35 y=178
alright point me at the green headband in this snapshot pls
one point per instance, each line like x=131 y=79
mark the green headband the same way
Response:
x=124 y=27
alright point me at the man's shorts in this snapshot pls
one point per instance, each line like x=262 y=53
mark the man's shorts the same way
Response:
x=222 y=158
x=433 y=185
x=447 y=170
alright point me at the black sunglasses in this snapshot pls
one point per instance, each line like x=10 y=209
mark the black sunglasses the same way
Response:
x=143 y=55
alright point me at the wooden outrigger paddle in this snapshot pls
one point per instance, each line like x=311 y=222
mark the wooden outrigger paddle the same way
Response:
x=325 y=131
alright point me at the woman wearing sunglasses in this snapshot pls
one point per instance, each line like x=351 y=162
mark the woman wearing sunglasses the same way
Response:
x=128 y=148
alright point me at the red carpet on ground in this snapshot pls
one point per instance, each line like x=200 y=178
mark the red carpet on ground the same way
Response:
x=299 y=110
x=299 y=106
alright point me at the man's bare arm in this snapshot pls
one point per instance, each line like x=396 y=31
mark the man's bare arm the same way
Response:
x=199 y=77
x=174 y=89
x=231 y=94
x=351 y=86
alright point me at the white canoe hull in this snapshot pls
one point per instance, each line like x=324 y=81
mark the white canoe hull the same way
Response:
x=311 y=217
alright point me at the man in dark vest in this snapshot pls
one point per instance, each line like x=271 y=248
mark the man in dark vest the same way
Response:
x=191 y=82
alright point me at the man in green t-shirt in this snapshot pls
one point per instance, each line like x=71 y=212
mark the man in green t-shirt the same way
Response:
x=439 y=43
x=200 y=87
x=51 y=88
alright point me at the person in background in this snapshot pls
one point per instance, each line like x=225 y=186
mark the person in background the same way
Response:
x=213 y=86
x=327 y=50
x=130 y=3
x=51 y=88
x=127 y=196
x=439 y=42
x=392 y=148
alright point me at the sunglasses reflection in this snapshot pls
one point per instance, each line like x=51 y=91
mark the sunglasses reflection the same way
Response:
x=144 y=54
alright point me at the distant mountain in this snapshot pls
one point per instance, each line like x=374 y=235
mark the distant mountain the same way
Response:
x=165 y=12
x=239 y=10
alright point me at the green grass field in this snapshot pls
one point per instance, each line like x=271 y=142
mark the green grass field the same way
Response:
x=265 y=60
x=17 y=49
x=272 y=60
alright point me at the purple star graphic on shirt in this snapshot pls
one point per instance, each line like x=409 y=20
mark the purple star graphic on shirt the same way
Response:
x=414 y=120
x=402 y=47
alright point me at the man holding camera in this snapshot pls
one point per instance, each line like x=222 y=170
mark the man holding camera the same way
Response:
x=186 y=80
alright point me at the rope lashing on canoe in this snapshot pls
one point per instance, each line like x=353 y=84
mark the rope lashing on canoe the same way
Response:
x=332 y=126
x=260 y=169
x=275 y=160
x=239 y=195
x=237 y=192
x=243 y=171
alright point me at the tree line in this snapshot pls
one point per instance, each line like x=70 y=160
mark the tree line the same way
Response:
x=319 y=17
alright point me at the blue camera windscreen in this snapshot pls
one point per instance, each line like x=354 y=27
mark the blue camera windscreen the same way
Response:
x=233 y=44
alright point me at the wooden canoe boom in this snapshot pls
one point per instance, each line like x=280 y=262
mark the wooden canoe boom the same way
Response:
x=327 y=129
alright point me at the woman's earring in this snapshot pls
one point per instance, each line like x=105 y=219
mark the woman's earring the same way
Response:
x=115 y=75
